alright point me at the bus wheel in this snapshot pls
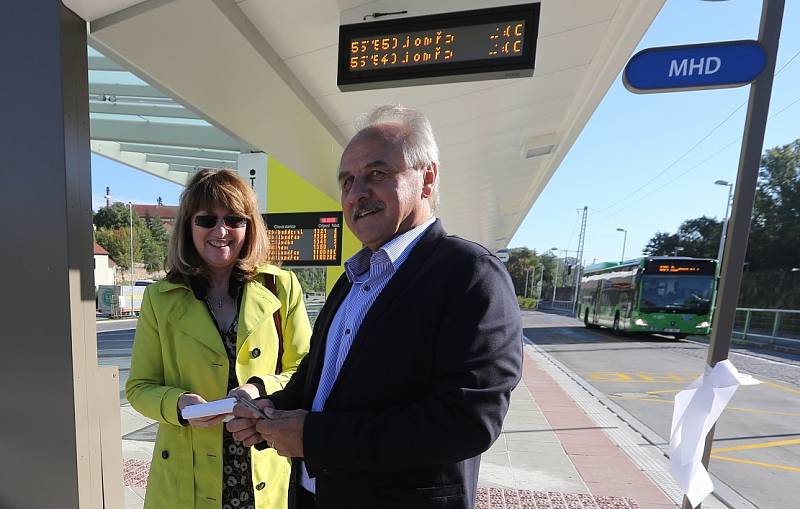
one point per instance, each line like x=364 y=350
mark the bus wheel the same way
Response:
x=617 y=330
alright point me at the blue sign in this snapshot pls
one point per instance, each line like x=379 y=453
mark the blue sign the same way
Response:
x=695 y=67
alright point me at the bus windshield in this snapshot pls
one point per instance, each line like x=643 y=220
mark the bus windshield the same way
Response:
x=677 y=294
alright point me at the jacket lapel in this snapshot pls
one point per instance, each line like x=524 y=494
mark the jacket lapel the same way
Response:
x=399 y=282
x=258 y=304
x=191 y=317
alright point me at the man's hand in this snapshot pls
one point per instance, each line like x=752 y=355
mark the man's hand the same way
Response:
x=243 y=427
x=188 y=399
x=283 y=431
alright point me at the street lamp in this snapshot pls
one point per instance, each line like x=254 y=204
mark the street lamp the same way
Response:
x=555 y=277
x=677 y=250
x=527 y=273
x=624 y=241
x=724 y=234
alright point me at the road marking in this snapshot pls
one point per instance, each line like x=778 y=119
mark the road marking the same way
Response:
x=756 y=463
x=736 y=408
x=763 y=445
x=781 y=387
x=746 y=355
x=618 y=376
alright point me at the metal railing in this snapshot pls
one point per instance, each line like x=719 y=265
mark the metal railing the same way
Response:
x=563 y=305
x=771 y=326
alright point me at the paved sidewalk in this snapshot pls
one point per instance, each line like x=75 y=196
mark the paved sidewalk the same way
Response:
x=551 y=454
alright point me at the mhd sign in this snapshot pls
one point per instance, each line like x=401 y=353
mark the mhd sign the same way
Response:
x=695 y=67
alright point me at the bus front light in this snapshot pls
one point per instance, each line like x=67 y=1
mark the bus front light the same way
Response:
x=702 y=325
x=639 y=322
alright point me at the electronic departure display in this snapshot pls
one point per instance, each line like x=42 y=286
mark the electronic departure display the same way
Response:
x=458 y=46
x=690 y=267
x=305 y=239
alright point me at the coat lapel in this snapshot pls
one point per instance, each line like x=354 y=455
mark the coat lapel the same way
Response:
x=399 y=282
x=258 y=304
x=191 y=317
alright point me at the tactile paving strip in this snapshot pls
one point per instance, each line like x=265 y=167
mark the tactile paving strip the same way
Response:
x=134 y=473
x=497 y=498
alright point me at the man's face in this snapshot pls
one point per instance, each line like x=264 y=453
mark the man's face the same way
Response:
x=381 y=198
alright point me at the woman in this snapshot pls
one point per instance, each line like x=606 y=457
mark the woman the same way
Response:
x=213 y=328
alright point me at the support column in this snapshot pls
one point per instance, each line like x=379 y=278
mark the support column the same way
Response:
x=50 y=430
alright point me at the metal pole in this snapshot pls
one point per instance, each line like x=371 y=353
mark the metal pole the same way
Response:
x=555 y=283
x=752 y=144
x=541 y=283
x=624 y=242
x=130 y=216
x=527 y=272
x=723 y=234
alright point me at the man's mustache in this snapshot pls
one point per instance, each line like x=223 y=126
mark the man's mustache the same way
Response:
x=367 y=206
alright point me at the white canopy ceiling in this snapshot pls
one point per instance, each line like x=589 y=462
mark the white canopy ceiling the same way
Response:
x=264 y=73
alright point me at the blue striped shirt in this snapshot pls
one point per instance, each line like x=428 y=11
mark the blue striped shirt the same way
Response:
x=369 y=274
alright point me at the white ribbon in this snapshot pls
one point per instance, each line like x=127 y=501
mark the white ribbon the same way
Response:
x=696 y=410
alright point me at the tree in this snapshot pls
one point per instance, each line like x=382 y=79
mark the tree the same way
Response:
x=117 y=243
x=523 y=262
x=774 y=241
x=113 y=217
x=159 y=231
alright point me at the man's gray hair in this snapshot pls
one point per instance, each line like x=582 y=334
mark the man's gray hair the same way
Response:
x=419 y=144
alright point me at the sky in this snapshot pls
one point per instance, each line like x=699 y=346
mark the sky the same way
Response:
x=643 y=163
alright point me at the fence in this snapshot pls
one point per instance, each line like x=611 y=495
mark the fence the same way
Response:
x=772 y=326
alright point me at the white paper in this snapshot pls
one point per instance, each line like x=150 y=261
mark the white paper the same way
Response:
x=220 y=406
x=696 y=411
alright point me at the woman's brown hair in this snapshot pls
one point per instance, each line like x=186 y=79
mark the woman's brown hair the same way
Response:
x=207 y=189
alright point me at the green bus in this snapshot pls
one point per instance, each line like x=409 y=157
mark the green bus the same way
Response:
x=654 y=294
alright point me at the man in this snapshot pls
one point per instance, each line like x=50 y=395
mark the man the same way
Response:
x=415 y=353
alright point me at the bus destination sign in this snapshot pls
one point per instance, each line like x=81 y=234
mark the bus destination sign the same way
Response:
x=666 y=266
x=305 y=239
x=462 y=46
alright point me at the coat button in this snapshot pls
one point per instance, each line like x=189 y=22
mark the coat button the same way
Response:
x=260 y=486
x=165 y=454
x=255 y=352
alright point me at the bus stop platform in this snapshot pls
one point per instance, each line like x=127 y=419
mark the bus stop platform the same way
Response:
x=560 y=448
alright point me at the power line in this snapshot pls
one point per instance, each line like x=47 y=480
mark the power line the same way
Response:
x=701 y=140
x=717 y=152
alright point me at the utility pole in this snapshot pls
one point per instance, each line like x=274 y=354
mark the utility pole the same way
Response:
x=579 y=260
x=769 y=32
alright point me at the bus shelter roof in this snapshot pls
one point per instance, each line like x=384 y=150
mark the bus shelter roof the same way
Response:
x=215 y=77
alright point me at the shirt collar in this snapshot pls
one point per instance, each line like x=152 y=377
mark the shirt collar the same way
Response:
x=393 y=250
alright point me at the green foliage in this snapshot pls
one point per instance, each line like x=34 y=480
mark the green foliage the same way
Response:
x=117 y=243
x=774 y=241
x=312 y=279
x=526 y=302
x=524 y=263
x=698 y=237
x=150 y=237
x=113 y=217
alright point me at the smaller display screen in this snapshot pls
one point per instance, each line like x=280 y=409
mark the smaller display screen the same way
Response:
x=693 y=267
x=305 y=239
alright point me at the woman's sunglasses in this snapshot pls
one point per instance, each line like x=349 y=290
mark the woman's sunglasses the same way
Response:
x=209 y=221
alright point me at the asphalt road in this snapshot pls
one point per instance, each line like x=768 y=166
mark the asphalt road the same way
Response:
x=757 y=440
x=114 y=343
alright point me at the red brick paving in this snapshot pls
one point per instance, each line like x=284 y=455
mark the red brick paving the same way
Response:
x=604 y=467
x=134 y=473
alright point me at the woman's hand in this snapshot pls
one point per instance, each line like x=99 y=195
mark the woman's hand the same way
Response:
x=188 y=399
x=249 y=391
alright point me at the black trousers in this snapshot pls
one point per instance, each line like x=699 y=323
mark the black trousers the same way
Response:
x=305 y=499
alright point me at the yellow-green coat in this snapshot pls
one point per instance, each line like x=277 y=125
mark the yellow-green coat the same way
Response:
x=177 y=349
